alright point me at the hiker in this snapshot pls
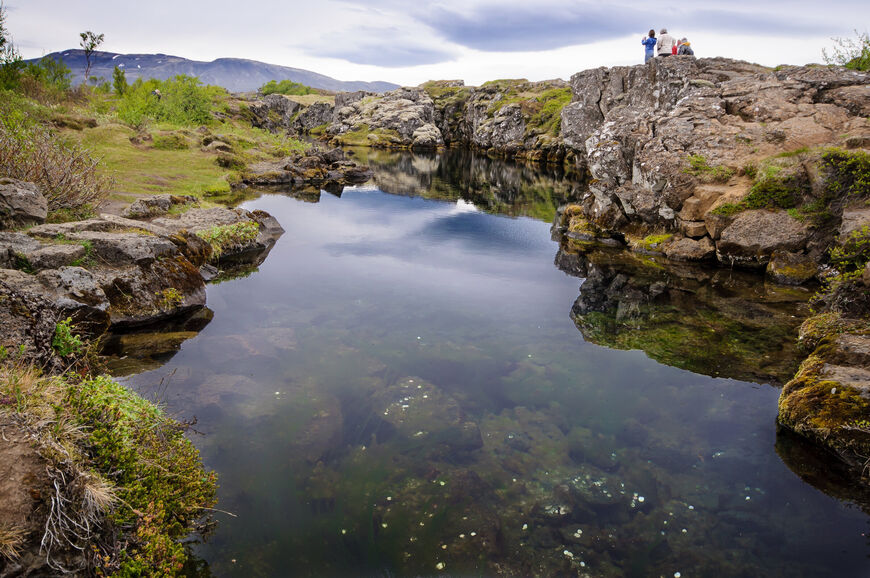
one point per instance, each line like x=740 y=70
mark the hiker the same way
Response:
x=685 y=48
x=666 y=43
x=649 y=45
x=156 y=92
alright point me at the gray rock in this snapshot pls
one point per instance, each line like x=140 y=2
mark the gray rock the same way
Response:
x=55 y=256
x=274 y=113
x=14 y=246
x=853 y=220
x=21 y=204
x=317 y=114
x=125 y=248
x=690 y=249
x=754 y=235
x=51 y=231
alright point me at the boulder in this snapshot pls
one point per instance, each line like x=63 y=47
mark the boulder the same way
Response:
x=687 y=249
x=56 y=256
x=828 y=401
x=754 y=236
x=791 y=268
x=156 y=205
x=124 y=248
x=21 y=204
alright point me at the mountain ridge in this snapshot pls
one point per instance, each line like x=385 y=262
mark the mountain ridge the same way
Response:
x=234 y=74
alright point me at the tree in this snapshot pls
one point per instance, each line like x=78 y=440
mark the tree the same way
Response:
x=10 y=60
x=852 y=53
x=89 y=44
x=119 y=81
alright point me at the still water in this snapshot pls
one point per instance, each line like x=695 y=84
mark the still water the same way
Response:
x=400 y=390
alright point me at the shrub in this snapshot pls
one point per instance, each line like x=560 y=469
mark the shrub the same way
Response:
x=65 y=342
x=170 y=142
x=183 y=101
x=286 y=87
x=852 y=53
x=66 y=173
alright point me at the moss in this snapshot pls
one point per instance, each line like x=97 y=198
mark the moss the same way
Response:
x=362 y=135
x=772 y=193
x=653 y=242
x=548 y=120
x=170 y=142
x=728 y=209
x=223 y=237
x=849 y=172
x=705 y=172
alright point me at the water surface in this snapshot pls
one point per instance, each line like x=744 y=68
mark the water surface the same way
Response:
x=401 y=390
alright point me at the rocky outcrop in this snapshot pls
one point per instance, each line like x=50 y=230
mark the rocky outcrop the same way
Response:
x=403 y=117
x=328 y=169
x=828 y=400
x=274 y=112
x=21 y=204
x=115 y=272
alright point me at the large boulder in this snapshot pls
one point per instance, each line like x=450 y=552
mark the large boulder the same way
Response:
x=828 y=401
x=274 y=113
x=754 y=236
x=21 y=204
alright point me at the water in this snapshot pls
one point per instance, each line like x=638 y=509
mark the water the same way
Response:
x=400 y=390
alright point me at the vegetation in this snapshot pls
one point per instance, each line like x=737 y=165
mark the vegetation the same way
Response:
x=66 y=173
x=548 y=119
x=89 y=43
x=850 y=172
x=286 y=87
x=222 y=237
x=115 y=457
x=181 y=101
x=65 y=342
x=852 y=53
x=701 y=169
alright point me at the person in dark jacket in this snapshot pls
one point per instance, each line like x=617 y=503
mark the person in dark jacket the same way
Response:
x=649 y=43
x=685 y=48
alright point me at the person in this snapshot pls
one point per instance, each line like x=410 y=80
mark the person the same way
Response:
x=685 y=48
x=666 y=43
x=649 y=44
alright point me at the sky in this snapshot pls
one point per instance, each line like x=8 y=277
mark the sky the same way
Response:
x=409 y=42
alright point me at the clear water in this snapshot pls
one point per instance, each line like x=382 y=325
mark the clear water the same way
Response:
x=400 y=390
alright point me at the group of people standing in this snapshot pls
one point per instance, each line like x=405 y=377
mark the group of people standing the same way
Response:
x=665 y=45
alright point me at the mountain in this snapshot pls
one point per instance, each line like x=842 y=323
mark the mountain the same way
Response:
x=234 y=74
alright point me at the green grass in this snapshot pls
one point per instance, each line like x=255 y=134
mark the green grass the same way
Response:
x=705 y=172
x=142 y=172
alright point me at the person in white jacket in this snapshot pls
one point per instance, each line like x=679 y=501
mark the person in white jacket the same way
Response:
x=666 y=43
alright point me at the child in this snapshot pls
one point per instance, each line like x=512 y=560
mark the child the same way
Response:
x=649 y=43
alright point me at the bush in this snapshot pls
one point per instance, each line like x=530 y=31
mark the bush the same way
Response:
x=183 y=101
x=286 y=87
x=850 y=172
x=852 y=53
x=66 y=173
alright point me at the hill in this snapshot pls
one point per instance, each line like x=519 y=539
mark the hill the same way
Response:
x=234 y=74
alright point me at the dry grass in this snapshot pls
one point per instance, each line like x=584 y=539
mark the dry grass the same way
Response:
x=11 y=541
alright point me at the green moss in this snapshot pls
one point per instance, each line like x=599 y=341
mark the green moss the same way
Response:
x=170 y=142
x=548 y=120
x=222 y=237
x=703 y=171
x=772 y=193
x=849 y=172
x=653 y=242
x=728 y=209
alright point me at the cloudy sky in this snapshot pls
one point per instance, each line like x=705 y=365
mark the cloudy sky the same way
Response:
x=409 y=42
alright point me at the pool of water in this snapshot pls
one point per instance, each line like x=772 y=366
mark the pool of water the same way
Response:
x=400 y=390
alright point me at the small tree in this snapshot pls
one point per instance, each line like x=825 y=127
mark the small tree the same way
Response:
x=10 y=60
x=852 y=53
x=119 y=81
x=89 y=44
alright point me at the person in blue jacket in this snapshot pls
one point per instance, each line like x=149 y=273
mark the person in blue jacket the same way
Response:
x=649 y=43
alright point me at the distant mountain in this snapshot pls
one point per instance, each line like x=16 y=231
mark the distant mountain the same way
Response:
x=234 y=74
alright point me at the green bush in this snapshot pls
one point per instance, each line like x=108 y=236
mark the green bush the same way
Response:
x=170 y=142
x=286 y=87
x=182 y=101
x=852 y=53
x=65 y=342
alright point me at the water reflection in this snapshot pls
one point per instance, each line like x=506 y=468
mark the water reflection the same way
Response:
x=716 y=322
x=400 y=391
x=492 y=185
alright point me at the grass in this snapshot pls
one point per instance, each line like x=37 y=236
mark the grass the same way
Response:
x=122 y=463
x=222 y=237
x=707 y=173
x=143 y=172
